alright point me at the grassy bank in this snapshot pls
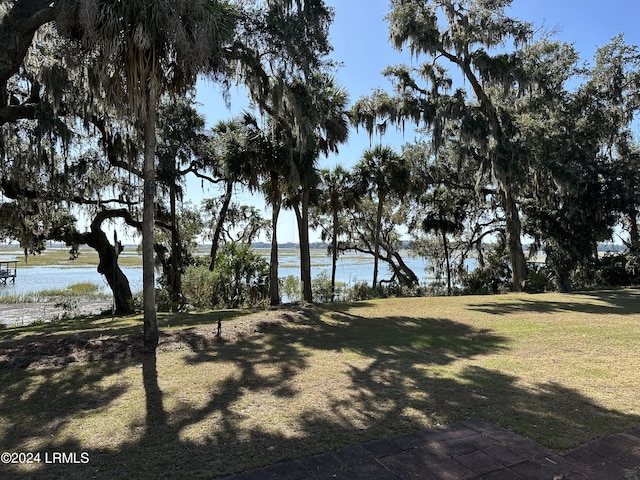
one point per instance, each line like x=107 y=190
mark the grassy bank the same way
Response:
x=75 y=291
x=59 y=256
x=561 y=369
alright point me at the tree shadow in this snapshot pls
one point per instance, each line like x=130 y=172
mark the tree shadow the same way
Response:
x=396 y=382
x=610 y=302
x=88 y=325
x=37 y=405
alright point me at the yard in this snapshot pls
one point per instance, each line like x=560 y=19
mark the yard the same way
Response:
x=561 y=369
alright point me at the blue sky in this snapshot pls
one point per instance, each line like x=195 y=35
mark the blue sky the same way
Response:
x=360 y=39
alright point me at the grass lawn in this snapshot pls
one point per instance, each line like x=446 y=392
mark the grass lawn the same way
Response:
x=561 y=369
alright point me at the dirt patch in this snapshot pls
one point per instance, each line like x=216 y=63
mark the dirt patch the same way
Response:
x=21 y=314
x=59 y=351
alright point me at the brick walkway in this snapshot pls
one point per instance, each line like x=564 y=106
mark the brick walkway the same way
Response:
x=472 y=449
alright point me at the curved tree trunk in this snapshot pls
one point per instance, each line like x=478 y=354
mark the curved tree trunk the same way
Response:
x=108 y=265
x=219 y=224
x=108 y=256
x=405 y=275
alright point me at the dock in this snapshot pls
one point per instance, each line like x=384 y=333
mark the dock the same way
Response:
x=8 y=271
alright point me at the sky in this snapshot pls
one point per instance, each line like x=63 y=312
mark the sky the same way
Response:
x=359 y=36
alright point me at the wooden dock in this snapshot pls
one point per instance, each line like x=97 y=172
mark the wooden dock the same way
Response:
x=8 y=271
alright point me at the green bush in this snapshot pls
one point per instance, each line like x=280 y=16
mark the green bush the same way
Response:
x=292 y=288
x=239 y=279
x=539 y=280
x=494 y=277
x=321 y=287
x=361 y=291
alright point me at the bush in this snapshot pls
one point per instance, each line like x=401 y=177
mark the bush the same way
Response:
x=239 y=279
x=361 y=291
x=615 y=270
x=292 y=288
x=321 y=287
x=163 y=302
x=485 y=281
x=494 y=277
x=539 y=280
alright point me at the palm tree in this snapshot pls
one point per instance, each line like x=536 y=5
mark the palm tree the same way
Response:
x=318 y=123
x=334 y=197
x=144 y=49
x=446 y=218
x=271 y=164
x=384 y=172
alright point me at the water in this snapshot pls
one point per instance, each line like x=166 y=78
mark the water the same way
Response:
x=351 y=268
x=36 y=279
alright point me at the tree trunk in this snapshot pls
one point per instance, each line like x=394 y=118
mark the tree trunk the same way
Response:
x=376 y=248
x=108 y=256
x=219 y=224
x=405 y=275
x=448 y=263
x=274 y=285
x=564 y=281
x=108 y=266
x=501 y=171
x=151 y=333
x=302 y=217
x=175 y=282
x=514 y=243
x=334 y=246
x=634 y=233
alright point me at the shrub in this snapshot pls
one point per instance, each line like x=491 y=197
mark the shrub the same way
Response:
x=239 y=279
x=361 y=291
x=321 y=287
x=292 y=288
x=494 y=277
x=539 y=280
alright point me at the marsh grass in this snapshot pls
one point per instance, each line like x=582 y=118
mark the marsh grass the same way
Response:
x=75 y=291
x=60 y=256
x=561 y=369
x=15 y=298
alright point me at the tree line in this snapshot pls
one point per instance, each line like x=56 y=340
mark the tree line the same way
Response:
x=97 y=116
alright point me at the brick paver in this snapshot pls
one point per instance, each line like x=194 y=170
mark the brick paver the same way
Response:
x=472 y=449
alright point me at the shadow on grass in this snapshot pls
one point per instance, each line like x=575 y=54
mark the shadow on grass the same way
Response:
x=120 y=325
x=609 y=302
x=398 y=381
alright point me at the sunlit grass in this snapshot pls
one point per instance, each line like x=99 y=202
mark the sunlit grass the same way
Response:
x=561 y=369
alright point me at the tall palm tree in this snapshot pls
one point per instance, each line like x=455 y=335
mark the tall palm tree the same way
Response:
x=319 y=124
x=334 y=198
x=384 y=172
x=142 y=50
